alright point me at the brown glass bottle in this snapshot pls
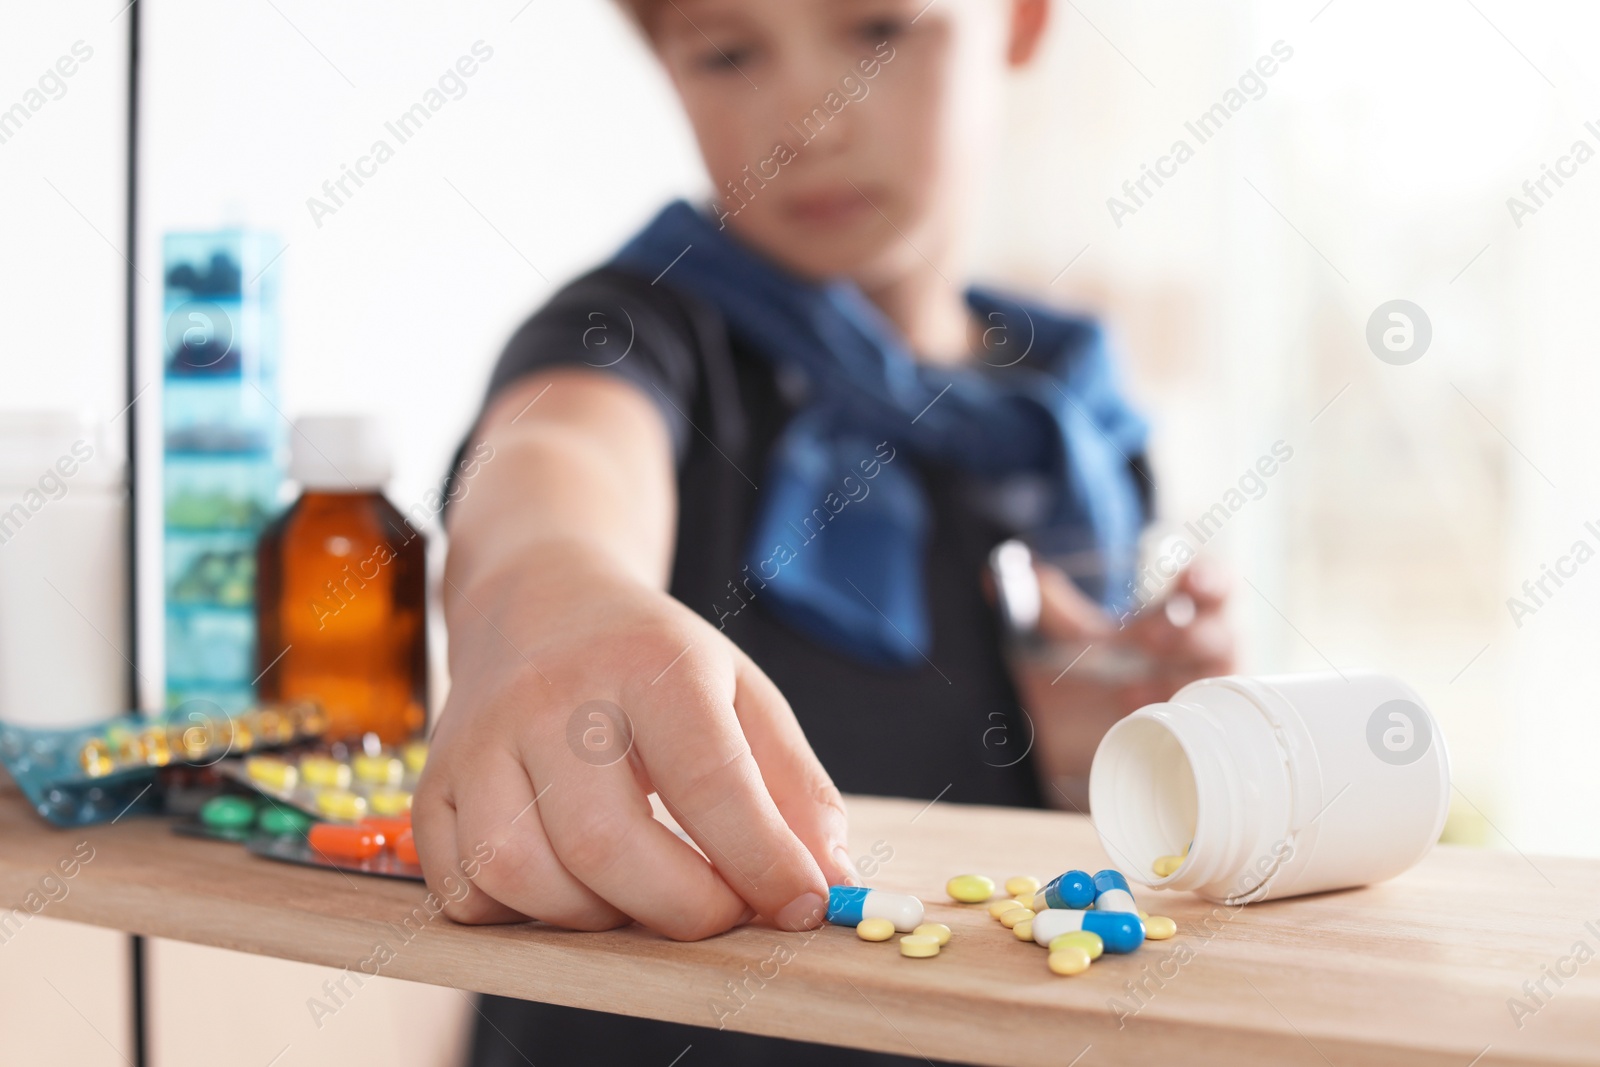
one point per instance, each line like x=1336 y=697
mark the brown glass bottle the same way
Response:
x=341 y=616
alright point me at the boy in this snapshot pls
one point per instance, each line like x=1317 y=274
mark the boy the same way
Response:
x=746 y=477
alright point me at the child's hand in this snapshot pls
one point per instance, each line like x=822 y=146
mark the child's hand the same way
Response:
x=543 y=801
x=1073 y=702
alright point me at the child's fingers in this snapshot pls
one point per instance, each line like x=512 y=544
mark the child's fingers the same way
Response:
x=1207 y=584
x=1065 y=614
x=605 y=834
x=691 y=742
x=433 y=825
x=799 y=785
x=501 y=838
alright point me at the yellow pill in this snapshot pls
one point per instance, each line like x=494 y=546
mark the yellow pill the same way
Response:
x=1023 y=885
x=1000 y=907
x=325 y=772
x=95 y=758
x=1069 y=960
x=379 y=770
x=270 y=772
x=1159 y=928
x=1165 y=865
x=919 y=946
x=939 y=930
x=415 y=755
x=1023 y=930
x=389 y=801
x=1016 y=915
x=875 y=929
x=337 y=804
x=1144 y=916
x=1087 y=940
x=970 y=888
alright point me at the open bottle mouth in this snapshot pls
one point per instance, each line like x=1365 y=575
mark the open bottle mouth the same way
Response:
x=1143 y=797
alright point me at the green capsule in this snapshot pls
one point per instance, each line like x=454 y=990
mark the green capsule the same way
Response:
x=276 y=819
x=228 y=813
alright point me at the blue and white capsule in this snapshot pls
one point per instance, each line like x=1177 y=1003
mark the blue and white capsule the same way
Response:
x=849 y=904
x=1121 y=931
x=1111 y=892
x=1074 y=889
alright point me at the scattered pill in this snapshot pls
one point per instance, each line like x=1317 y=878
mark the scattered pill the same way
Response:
x=1112 y=893
x=325 y=772
x=1000 y=907
x=379 y=770
x=875 y=929
x=1120 y=931
x=345 y=842
x=1166 y=865
x=387 y=801
x=1023 y=930
x=1144 y=916
x=970 y=888
x=1012 y=917
x=1074 y=889
x=1022 y=885
x=1159 y=928
x=405 y=848
x=919 y=946
x=1069 y=960
x=278 y=820
x=1087 y=940
x=338 y=804
x=228 y=813
x=270 y=772
x=849 y=904
x=939 y=930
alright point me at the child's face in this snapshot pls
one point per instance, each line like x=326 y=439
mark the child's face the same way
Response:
x=842 y=137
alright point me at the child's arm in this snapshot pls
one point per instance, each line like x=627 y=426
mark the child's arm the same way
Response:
x=555 y=596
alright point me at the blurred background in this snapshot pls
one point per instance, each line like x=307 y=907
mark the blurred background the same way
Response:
x=1375 y=164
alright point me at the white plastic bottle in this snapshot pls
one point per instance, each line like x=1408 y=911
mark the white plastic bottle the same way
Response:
x=1284 y=785
x=63 y=572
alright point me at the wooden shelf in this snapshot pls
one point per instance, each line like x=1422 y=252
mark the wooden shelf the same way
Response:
x=1420 y=970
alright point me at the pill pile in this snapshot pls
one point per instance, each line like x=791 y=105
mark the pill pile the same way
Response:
x=1076 y=916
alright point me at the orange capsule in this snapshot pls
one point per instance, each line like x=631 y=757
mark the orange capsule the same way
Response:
x=345 y=842
x=390 y=826
x=405 y=848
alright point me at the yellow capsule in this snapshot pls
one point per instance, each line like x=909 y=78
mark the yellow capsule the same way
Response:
x=1165 y=865
x=919 y=946
x=1087 y=940
x=95 y=758
x=875 y=929
x=1159 y=928
x=325 y=772
x=153 y=743
x=1023 y=930
x=1016 y=915
x=970 y=888
x=389 y=801
x=379 y=770
x=1000 y=907
x=415 y=755
x=270 y=772
x=939 y=930
x=1023 y=885
x=1069 y=960
x=338 y=804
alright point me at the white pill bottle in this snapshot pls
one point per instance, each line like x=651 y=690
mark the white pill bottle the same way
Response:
x=1284 y=785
